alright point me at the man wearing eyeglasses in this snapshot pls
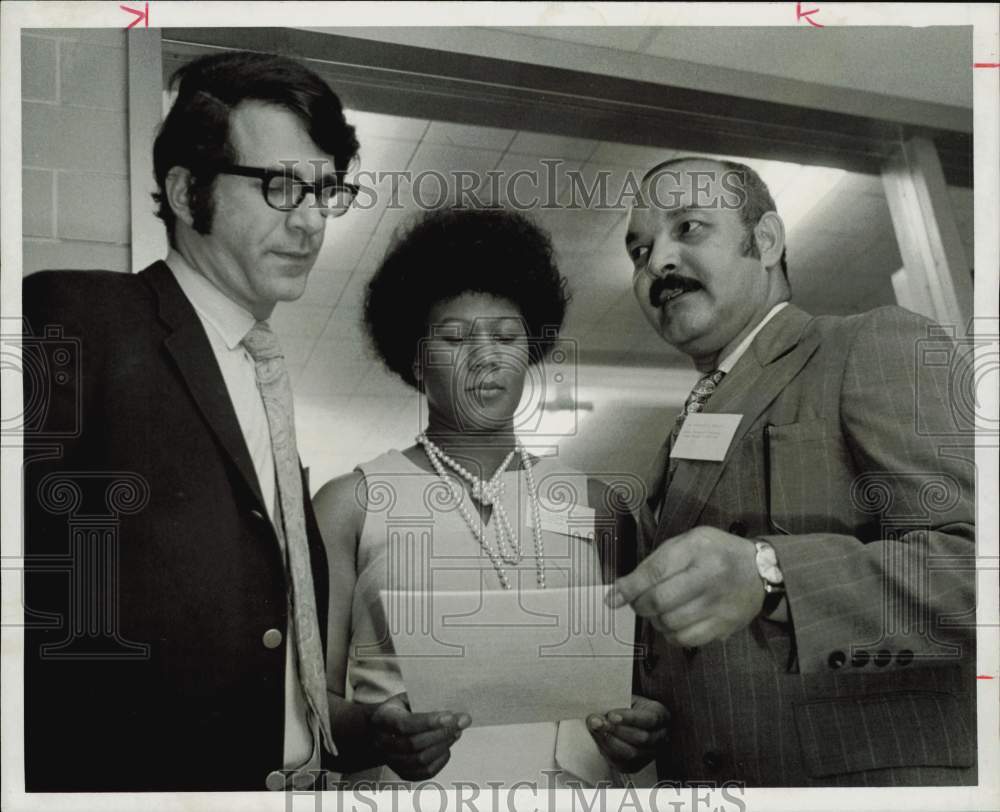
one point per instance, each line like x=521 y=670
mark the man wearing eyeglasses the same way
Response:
x=181 y=646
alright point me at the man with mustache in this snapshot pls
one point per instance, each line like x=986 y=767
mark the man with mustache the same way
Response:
x=183 y=649
x=794 y=621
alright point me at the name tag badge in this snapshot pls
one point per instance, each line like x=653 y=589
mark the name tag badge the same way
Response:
x=577 y=522
x=705 y=436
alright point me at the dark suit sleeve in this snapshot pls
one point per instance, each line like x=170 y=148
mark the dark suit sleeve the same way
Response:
x=903 y=587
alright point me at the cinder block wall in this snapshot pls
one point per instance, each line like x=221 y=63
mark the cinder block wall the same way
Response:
x=74 y=92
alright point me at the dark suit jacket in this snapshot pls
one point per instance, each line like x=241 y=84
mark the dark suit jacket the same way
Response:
x=853 y=461
x=152 y=571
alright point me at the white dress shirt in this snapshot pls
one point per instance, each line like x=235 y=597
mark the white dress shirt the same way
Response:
x=727 y=363
x=226 y=324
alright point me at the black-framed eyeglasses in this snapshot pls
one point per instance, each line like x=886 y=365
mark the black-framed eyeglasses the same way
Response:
x=284 y=190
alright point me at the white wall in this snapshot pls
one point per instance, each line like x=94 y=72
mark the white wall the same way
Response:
x=74 y=87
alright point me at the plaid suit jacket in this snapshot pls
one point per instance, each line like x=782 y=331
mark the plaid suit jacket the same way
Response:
x=853 y=462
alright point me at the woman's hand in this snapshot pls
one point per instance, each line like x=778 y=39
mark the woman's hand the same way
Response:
x=630 y=738
x=415 y=745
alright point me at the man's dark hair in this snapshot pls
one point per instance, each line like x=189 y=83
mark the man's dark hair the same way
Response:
x=195 y=133
x=755 y=201
x=453 y=251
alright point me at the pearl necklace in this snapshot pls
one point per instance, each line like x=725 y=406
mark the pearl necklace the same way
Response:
x=488 y=492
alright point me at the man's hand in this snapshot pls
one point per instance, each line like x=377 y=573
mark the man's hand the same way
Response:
x=415 y=745
x=629 y=738
x=697 y=587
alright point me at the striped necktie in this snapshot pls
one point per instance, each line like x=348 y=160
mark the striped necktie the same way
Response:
x=276 y=392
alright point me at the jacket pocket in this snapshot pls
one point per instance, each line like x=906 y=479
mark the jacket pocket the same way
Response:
x=900 y=729
x=808 y=478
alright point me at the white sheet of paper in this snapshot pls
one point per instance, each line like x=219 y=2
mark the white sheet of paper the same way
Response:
x=508 y=657
x=705 y=436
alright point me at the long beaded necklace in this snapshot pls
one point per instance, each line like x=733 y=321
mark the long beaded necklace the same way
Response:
x=508 y=548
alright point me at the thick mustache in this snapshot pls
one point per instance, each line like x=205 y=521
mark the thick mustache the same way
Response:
x=671 y=281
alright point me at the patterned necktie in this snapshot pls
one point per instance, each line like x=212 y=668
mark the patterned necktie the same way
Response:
x=276 y=392
x=696 y=400
x=695 y=403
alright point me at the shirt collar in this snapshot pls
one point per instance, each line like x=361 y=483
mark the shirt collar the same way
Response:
x=231 y=321
x=727 y=363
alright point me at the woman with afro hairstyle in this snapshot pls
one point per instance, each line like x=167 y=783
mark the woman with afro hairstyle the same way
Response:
x=465 y=308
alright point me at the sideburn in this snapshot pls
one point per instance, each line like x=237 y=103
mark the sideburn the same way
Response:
x=201 y=203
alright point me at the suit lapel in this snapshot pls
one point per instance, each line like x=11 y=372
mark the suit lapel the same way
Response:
x=188 y=345
x=780 y=350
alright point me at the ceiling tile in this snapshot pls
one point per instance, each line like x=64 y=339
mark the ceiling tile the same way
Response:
x=632 y=156
x=544 y=145
x=346 y=237
x=295 y=375
x=344 y=324
x=603 y=184
x=578 y=229
x=341 y=252
x=353 y=298
x=446 y=158
x=326 y=375
x=525 y=182
x=366 y=213
x=465 y=135
x=298 y=319
x=380 y=382
x=394 y=222
x=381 y=177
x=343 y=348
x=378 y=125
x=385 y=155
x=324 y=287
x=297 y=349
x=439 y=172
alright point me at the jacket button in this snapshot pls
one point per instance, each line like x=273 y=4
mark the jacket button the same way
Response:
x=649 y=662
x=859 y=659
x=836 y=660
x=259 y=517
x=904 y=657
x=712 y=759
x=275 y=781
x=738 y=528
x=883 y=658
x=272 y=639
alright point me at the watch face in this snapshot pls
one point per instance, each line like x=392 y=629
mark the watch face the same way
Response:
x=767 y=565
x=772 y=574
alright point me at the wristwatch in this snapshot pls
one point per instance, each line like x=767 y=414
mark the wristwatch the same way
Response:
x=770 y=573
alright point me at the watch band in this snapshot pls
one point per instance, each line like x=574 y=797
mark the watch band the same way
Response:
x=772 y=600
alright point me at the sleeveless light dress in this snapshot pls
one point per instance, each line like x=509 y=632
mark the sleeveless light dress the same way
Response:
x=415 y=539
